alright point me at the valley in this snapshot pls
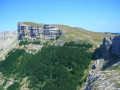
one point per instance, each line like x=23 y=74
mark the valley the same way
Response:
x=65 y=63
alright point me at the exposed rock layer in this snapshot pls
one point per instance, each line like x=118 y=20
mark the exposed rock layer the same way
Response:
x=37 y=32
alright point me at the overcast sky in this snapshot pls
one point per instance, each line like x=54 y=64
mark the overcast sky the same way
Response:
x=93 y=15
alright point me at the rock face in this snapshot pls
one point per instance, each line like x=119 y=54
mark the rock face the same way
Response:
x=37 y=32
x=110 y=47
x=103 y=80
x=116 y=46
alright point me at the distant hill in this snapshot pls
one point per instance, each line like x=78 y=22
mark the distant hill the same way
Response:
x=116 y=33
x=78 y=34
x=7 y=42
x=8 y=34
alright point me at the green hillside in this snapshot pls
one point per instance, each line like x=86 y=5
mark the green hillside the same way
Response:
x=78 y=34
x=52 y=68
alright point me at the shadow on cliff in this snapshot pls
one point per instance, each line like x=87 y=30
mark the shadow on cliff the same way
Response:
x=97 y=54
x=108 y=61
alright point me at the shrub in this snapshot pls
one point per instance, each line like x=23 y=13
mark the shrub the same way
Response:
x=15 y=86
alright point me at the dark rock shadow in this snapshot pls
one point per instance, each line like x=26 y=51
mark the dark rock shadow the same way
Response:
x=97 y=54
x=109 y=61
x=112 y=60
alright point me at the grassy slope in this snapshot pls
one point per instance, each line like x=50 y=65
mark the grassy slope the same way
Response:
x=33 y=24
x=7 y=45
x=48 y=69
x=72 y=34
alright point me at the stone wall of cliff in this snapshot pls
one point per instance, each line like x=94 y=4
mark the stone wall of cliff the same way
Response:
x=110 y=47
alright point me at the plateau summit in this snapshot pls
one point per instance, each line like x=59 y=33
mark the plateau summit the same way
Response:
x=45 y=32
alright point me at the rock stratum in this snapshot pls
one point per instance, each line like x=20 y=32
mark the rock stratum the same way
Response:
x=45 y=32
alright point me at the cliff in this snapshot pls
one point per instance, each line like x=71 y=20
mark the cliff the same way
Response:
x=76 y=34
x=116 y=46
x=45 y=32
x=110 y=47
x=106 y=68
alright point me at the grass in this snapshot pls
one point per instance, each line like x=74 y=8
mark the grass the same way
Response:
x=117 y=85
x=33 y=24
x=85 y=76
x=82 y=33
x=117 y=68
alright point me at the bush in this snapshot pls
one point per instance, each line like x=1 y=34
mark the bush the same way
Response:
x=77 y=44
x=25 y=42
x=15 y=86
x=57 y=37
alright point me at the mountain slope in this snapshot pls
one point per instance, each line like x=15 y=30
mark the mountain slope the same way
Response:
x=78 y=34
x=6 y=45
x=54 y=67
x=58 y=67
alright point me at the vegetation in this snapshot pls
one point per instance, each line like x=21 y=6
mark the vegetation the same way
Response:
x=57 y=37
x=117 y=85
x=15 y=86
x=1 y=87
x=52 y=68
x=24 y=42
x=33 y=24
x=77 y=44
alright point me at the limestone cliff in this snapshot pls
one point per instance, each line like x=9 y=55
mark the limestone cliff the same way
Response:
x=116 y=46
x=105 y=71
x=110 y=47
x=45 y=32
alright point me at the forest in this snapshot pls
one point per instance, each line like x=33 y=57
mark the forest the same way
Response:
x=52 y=68
x=25 y=42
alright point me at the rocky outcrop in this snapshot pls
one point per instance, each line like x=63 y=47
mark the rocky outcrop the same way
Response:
x=110 y=47
x=104 y=80
x=37 y=32
x=116 y=46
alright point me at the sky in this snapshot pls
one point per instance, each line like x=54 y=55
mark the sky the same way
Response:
x=92 y=15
